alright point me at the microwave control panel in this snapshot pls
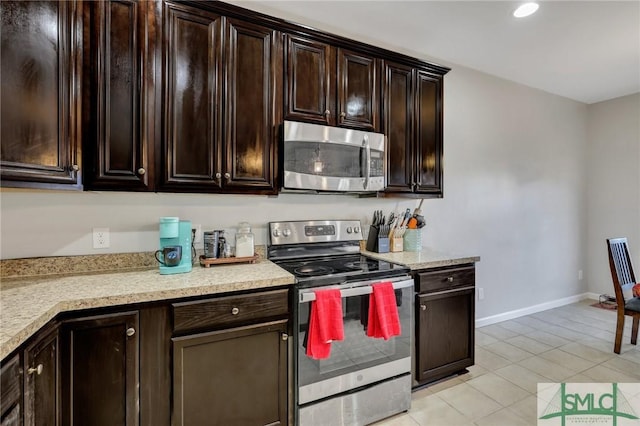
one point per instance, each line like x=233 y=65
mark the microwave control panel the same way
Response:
x=377 y=163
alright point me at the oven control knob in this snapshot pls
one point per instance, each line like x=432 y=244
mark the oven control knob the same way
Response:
x=356 y=230
x=276 y=232
x=349 y=230
x=286 y=232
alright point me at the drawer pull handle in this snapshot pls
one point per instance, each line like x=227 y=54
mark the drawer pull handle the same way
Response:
x=235 y=311
x=131 y=331
x=423 y=307
x=285 y=336
x=450 y=279
x=38 y=369
x=141 y=171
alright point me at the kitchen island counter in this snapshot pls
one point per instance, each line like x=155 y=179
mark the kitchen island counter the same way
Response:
x=27 y=304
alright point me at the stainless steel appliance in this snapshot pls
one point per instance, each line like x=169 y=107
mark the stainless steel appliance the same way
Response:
x=364 y=379
x=323 y=158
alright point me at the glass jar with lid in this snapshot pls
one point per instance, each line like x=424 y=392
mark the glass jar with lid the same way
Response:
x=244 y=240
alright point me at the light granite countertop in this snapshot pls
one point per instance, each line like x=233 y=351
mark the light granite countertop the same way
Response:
x=427 y=258
x=27 y=304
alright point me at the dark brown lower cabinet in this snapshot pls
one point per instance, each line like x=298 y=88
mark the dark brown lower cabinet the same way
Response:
x=445 y=322
x=10 y=391
x=100 y=365
x=231 y=377
x=42 y=381
x=126 y=367
x=12 y=418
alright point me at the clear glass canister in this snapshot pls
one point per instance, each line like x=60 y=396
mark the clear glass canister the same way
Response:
x=244 y=241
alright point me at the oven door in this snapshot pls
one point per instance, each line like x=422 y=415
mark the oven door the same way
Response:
x=357 y=360
x=324 y=158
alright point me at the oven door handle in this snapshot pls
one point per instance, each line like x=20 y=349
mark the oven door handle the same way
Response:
x=355 y=291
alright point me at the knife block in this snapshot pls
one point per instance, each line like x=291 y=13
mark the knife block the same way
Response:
x=397 y=244
x=375 y=242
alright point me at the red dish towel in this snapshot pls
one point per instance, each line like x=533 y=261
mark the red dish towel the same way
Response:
x=383 y=312
x=325 y=323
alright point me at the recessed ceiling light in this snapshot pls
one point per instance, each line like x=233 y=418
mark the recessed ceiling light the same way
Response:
x=525 y=10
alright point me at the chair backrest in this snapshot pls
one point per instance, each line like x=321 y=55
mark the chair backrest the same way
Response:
x=621 y=267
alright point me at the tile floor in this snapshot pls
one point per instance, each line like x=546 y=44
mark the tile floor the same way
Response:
x=573 y=343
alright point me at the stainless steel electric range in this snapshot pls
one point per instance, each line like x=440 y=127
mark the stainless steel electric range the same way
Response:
x=364 y=379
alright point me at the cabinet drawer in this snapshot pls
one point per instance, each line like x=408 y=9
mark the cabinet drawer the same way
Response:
x=445 y=279
x=10 y=383
x=230 y=310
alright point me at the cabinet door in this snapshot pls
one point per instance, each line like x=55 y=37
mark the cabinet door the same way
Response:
x=193 y=99
x=446 y=325
x=100 y=361
x=40 y=94
x=254 y=105
x=429 y=134
x=12 y=418
x=41 y=381
x=116 y=59
x=358 y=91
x=231 y=377
x=398 y=112
x=10 y=391
x=310 y=90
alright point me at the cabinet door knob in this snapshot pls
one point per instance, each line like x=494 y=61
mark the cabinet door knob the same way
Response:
x=141 y=171
x=343 y=114
x=285 y=336
x=131 y=331
x=37 y=369
x=423 y=307
x=327 y=114
x=235 y=311
x=74 y=167
x=227 y=176
x=450 y=279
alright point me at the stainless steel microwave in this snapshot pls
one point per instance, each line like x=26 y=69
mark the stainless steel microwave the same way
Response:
x=333 y=159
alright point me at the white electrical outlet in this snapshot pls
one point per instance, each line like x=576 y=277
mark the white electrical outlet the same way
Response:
x=480 y=293
x=100 y=238
x=198 y=237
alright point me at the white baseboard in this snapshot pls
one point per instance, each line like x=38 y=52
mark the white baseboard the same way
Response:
x=493 y=319
x=593 y=296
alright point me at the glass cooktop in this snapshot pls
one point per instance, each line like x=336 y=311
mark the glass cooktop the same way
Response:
x=351 y=267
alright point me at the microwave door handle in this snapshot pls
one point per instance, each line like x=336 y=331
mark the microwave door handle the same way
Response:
x=367 y=150
x=354 y=291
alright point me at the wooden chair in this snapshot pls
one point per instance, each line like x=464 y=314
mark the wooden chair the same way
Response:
x=623 y=280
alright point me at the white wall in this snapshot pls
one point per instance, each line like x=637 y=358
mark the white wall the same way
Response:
x=515 y=194
x=614 y=185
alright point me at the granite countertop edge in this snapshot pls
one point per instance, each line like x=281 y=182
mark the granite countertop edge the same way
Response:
x=27 y=304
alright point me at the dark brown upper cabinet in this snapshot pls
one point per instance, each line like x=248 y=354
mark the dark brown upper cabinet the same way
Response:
x=253 y=106
x=331 y=85
x=40 y=94
x=220 y=115
x=118 y=69
x=412 y=111
x=398 y=111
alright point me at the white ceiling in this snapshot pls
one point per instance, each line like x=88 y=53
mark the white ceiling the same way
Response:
x=588 y=51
